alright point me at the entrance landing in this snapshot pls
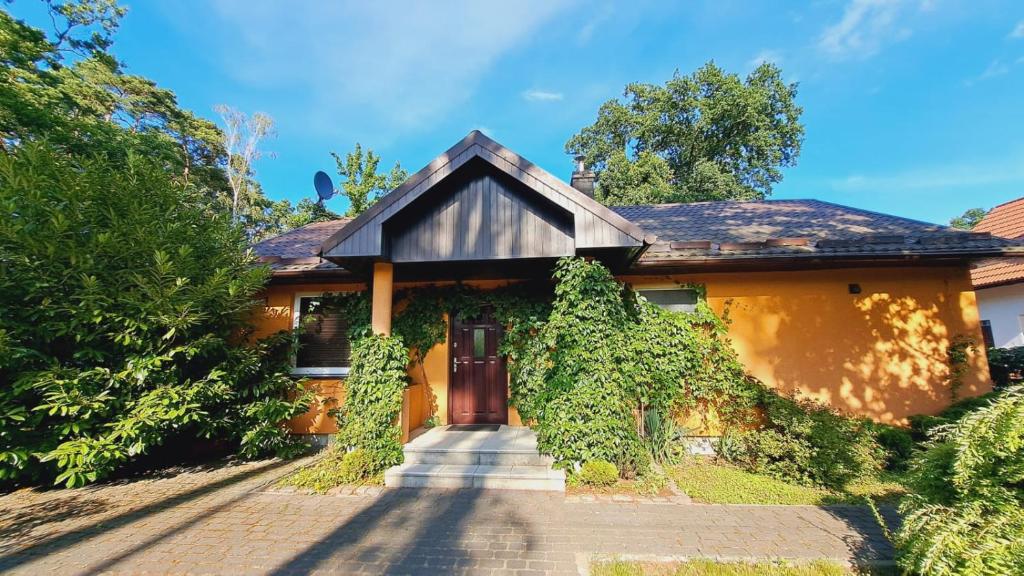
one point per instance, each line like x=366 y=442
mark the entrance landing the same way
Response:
x=506 y=458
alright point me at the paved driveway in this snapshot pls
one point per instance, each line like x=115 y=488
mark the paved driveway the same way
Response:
x=222 y=519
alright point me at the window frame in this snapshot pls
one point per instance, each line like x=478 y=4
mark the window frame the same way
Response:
x=311 y=370
x=664 y=287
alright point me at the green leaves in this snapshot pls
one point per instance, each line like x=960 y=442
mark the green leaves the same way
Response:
x=967 y=513
x=706 y=136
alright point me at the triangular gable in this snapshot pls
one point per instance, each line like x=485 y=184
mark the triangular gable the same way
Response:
x=594 y=226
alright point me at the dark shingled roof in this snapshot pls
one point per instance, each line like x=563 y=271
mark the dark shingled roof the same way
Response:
x=727 y=230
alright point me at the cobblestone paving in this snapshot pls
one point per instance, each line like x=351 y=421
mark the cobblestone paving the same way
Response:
x=222 y=520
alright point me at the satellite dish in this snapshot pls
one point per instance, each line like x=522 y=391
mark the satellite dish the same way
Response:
x=324 y=186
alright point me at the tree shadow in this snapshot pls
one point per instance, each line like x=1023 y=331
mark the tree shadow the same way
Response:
x=416 y=530
x=870 y=548
x=16 y=557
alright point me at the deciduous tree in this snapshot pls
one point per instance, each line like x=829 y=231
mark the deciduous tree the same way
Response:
x=718 y=137
x=361 y=183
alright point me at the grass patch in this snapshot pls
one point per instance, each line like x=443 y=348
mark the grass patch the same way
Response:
x=713 y=483
x=329 y=471
x=714 y=568
x=653 y=484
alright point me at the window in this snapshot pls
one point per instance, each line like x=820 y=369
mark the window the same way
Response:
x=986 y=333
x=323 y=339
x=672 y=299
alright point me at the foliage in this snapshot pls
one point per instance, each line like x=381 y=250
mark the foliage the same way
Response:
x=1006 y=366
x=712 y=483
x=124 y=299
x=646 y=180
x=966 y=513
x=361 y=183
x=805 y=442
x=719 y=137
x=704 y=567
x=242 y=136
x=969 y=219
x=335 y=468
x=897 y=444
x=598 y=473
x=68 y=90
x=958 y=356
x=651 y=482
x=921 y=425
x=663 y=438
x=373 y=400
x=586 y=412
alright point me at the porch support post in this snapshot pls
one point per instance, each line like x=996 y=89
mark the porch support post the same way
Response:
x=383 y=293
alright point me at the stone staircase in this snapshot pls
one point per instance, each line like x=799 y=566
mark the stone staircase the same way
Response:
x=503 y=459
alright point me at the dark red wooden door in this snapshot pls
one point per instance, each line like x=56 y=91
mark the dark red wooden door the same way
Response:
x=478 y=393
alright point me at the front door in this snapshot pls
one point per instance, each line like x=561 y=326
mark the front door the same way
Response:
x=478 y=393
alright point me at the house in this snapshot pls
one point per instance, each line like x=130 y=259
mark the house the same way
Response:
x=999 y=282
x=852 y=307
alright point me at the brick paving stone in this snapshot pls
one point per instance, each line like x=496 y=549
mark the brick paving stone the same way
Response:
x=228 y=519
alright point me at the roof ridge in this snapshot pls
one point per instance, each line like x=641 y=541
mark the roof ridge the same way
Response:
x=893 y=216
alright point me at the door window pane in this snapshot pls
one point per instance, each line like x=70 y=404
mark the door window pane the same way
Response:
x=479 y=336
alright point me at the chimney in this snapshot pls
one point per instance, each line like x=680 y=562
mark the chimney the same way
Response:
x=583 y=179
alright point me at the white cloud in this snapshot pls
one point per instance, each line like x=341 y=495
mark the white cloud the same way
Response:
x=1018 y=30
x=542 y=96
x=867 y=26
x=773 y=56
x=598 y=17
x=402 y=65
x=939 y=177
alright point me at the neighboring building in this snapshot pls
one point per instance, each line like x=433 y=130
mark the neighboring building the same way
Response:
x=999 y=282
x=852 y=307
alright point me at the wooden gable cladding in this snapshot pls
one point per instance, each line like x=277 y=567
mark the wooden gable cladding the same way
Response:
x=593 y=226
x=479 y=215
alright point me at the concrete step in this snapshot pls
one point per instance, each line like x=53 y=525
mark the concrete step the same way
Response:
x=416 y=475
x=497 y=457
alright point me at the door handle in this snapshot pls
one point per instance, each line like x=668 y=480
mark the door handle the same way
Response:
x=455 y=365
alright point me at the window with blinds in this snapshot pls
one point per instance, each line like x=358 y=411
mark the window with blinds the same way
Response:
x=324 y=346
x=674 y=300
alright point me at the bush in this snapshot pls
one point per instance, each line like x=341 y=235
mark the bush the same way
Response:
x=598 y=473
x=1006 y=366
x=335 y=468
x=806 y=442
x=897 y=444
x=367 y=419
x=966 y=513
x=922 y=424
x=123 y=321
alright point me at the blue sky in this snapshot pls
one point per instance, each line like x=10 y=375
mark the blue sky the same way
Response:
x=912 y=107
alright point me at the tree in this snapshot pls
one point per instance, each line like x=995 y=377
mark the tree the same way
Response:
x=969 y=219
x=122 y=304
x=361 y=183
x=719 y=137
x=242 y=136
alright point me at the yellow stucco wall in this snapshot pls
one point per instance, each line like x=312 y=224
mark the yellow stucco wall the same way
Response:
x=880 y=353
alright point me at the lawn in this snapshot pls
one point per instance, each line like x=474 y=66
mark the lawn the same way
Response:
x=713 y=568
x=714 y=483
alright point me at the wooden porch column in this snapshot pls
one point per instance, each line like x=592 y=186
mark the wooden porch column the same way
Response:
x=383 y=293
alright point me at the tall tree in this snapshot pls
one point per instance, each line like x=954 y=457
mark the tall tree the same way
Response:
x=361 y=183
x=242 y=137
x=969 y=219
x=707 y=136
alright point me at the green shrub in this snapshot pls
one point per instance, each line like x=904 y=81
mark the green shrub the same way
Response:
x=922 y=424
x=966 y=511
x=368 y=417
x=897 y=444
x=335 y=468
x=651 y=483
x=663 y=438
x=1006 y=366
x=598 y=473
x=806 y=442
x=124 y=321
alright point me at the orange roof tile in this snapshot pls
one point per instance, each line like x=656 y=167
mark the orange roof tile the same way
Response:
x=997 y=271
x=1005 y=220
